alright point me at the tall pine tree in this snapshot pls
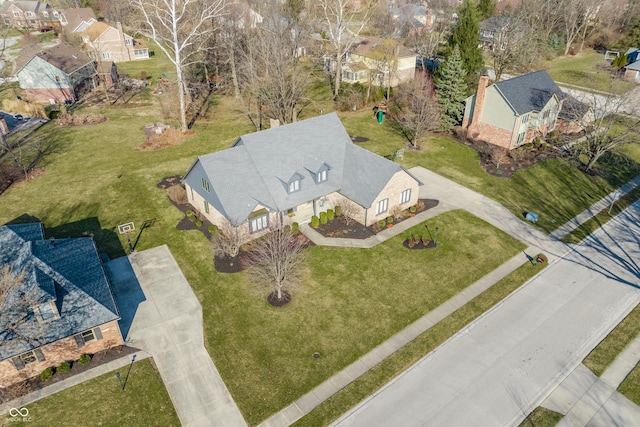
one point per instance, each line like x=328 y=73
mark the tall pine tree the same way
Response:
x=451 y=88
x=466 y=36
x=486 y=9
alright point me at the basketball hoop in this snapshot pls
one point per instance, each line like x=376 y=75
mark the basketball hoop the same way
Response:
x=127 y=229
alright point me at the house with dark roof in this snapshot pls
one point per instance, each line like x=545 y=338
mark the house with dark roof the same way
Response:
x=513 y=112
x=493 y=31
x=381 y=62
x=63 y=306
x=288 y=174
x=57 y=75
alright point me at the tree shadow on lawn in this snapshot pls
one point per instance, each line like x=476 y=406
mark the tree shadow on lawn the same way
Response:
x=106 y=239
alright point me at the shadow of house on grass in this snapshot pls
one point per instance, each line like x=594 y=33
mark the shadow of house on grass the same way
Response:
x=106 y=240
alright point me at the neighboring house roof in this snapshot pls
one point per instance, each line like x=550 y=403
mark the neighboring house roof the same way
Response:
x=95 y=30
x=65 y=272
x=368 y=45
x=631 y=50
x=572 y=109
x=635 y=66
x=65 y=57
x=78 y=18
x=25 y=6
x=257 y=169
x=529 y=92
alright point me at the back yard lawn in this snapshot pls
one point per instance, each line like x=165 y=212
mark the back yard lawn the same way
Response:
x=586 y=69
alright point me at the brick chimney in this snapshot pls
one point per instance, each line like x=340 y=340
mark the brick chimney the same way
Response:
x=474 y=128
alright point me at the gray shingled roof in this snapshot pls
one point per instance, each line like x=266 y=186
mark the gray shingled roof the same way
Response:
x=529 y=92
x=257 y=168
x=65 y=57
x=67 y=272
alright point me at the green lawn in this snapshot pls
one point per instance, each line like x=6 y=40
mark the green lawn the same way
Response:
x=542 y=417
x=609 y=348
x=351 y=299
x=428 y=341
x=630 y=387
x=152 y=67
x=555 y=189
x=99 y=401
x=587 y=69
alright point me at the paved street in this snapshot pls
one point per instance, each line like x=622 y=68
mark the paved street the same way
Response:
x=507 y=362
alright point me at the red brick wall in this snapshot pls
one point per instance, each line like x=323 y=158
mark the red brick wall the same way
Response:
x=60 y=351
x=494 y=135
x=44 y=95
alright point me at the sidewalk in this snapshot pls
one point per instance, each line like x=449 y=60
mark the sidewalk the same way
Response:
x=604 y=203
x=587 y=400
x=72 y=381
x=457 y=196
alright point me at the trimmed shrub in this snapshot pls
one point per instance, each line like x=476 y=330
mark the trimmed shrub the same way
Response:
x=213 y=229
x=315 y=222
x=46 y=374
x=323 y=217
x=295 y=228
x=338 y=210
x=413 y=209
x=330 y=214
x=64 y=367
x=189 y=212
x=199 y=223
x=192 y=218
x=84 y=359
x=382 y=223
x=390 y=219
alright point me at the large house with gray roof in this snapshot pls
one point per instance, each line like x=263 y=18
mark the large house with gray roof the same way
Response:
x=513 y=112
x=63 y=306
x=290 y=173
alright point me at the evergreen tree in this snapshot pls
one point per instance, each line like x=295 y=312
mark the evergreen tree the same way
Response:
x=486 y=9
x=466 y=36
x=451 y=89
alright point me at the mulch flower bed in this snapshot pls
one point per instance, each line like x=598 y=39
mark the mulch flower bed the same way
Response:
x=338 y=228
x=35 y=383
x=510 y=162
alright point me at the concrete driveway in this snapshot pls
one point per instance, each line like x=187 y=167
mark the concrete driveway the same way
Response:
x=508 y=361
x=163 y=317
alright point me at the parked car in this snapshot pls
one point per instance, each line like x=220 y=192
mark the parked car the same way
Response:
x=18 y=117
x=46 y=29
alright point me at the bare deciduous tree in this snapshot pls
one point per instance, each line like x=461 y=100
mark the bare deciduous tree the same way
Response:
x=228 y=240
x=182 y=30
x=277 y=260
x=415 y=110
x=611 y=128
x=342 y=24
x=349 y=210
x=16 y=301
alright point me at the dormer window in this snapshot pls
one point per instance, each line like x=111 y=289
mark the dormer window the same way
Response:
x=46 y=311
x=294 y=186
x=321 y=176
x=205 y=185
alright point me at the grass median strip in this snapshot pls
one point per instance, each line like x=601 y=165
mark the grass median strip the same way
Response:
x=605 y=353
x=542 y=417
x=601 y=218
x=425 y=343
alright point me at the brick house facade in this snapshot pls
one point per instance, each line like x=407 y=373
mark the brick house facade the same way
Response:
x=513 y=112
x=293 y=172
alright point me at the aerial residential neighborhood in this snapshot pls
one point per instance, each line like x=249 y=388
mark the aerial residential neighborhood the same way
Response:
x=331 y=213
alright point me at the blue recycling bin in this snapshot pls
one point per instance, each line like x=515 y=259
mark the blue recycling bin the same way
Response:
x=532 y=217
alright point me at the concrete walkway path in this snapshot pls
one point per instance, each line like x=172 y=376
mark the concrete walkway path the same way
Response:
x=587 y=400
x=168 y=325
